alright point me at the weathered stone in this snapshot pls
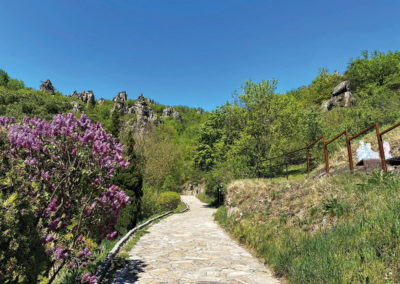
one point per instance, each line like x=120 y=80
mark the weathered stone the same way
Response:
x=76 y=107
x=130 y=110
x=47 y=87
x=343 y=100
x=101 y=101
x=86 y=97
x=122 y=97
x=145 y=117
x=167 y=112
x=341 y=88
x=341 y=97
x=177 y=116
x=120 y=106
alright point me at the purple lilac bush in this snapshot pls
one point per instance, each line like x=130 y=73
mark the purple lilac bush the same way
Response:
x=65 y=168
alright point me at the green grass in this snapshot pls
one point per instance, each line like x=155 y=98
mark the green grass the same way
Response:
x=362 y=245
x=180 y=207
x=206 y=198
x=132 y=241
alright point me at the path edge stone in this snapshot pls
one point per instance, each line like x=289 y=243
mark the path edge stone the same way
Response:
x=105 y=265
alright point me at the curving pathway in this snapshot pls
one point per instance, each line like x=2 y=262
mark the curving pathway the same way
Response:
x=191 y=248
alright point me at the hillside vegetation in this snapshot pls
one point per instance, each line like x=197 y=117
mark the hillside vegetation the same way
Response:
x=52 y=165
x=342 y=229
x=59 y=166
x=317 y=229
x=238 y=138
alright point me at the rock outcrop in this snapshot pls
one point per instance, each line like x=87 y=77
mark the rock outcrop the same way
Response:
x=177 y=116
x=122 y=97
x=101 y=101
x=85 y=97
x=120 y=106
x=341 y=97
x=76 y=107
x=148 y=101
x=145 y=116
x=169 y=112
x=47 y=87
x=341 y=88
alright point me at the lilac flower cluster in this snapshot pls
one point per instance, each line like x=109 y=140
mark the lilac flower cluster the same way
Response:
x=71 y=163
x=89 y=278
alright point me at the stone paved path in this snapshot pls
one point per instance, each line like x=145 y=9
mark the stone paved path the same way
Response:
x=191 y=248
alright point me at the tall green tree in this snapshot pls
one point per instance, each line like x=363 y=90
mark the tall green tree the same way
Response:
x=131 y=181
x=115 y=123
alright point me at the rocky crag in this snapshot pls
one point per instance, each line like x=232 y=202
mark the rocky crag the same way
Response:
x=145 y=117
x=341 y=97
x=87 y=97
x=47 y=87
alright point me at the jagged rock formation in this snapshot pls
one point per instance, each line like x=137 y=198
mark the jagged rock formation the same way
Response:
x=145 y=116
x=120 y=106
x=101 y=101
x=121 y=97
x=177 y=116
x=76 y=107
x=120 y=103
x=169 y=112
x=147 y=100
x=47 y=87
x=341 y=97
x=86 y=97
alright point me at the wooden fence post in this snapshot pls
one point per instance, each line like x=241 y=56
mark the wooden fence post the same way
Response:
x=349 y=151
x=326 y=156
x=381 y=151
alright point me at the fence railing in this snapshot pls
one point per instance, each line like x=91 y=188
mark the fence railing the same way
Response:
x=325 y=144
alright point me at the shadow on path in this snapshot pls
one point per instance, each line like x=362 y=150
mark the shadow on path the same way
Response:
x=130 y=271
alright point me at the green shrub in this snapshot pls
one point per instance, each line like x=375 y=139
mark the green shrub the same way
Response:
x=149 y=205
x=22 y=253
x=169 y=200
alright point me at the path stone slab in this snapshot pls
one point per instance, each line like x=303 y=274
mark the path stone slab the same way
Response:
x=191 y=248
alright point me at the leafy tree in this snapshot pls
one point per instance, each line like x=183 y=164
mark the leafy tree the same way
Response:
x=374 y=69
x=4 y=78
x=131 y=181
x=321 y=87
x=15 y=84
x=115 y=123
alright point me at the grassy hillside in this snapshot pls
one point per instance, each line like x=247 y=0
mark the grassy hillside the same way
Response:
x=333 y=230
x=312 y=229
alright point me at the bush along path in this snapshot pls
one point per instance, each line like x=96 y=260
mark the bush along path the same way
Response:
x=191 y=248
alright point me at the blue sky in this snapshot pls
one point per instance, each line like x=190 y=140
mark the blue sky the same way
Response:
x=184 y=52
